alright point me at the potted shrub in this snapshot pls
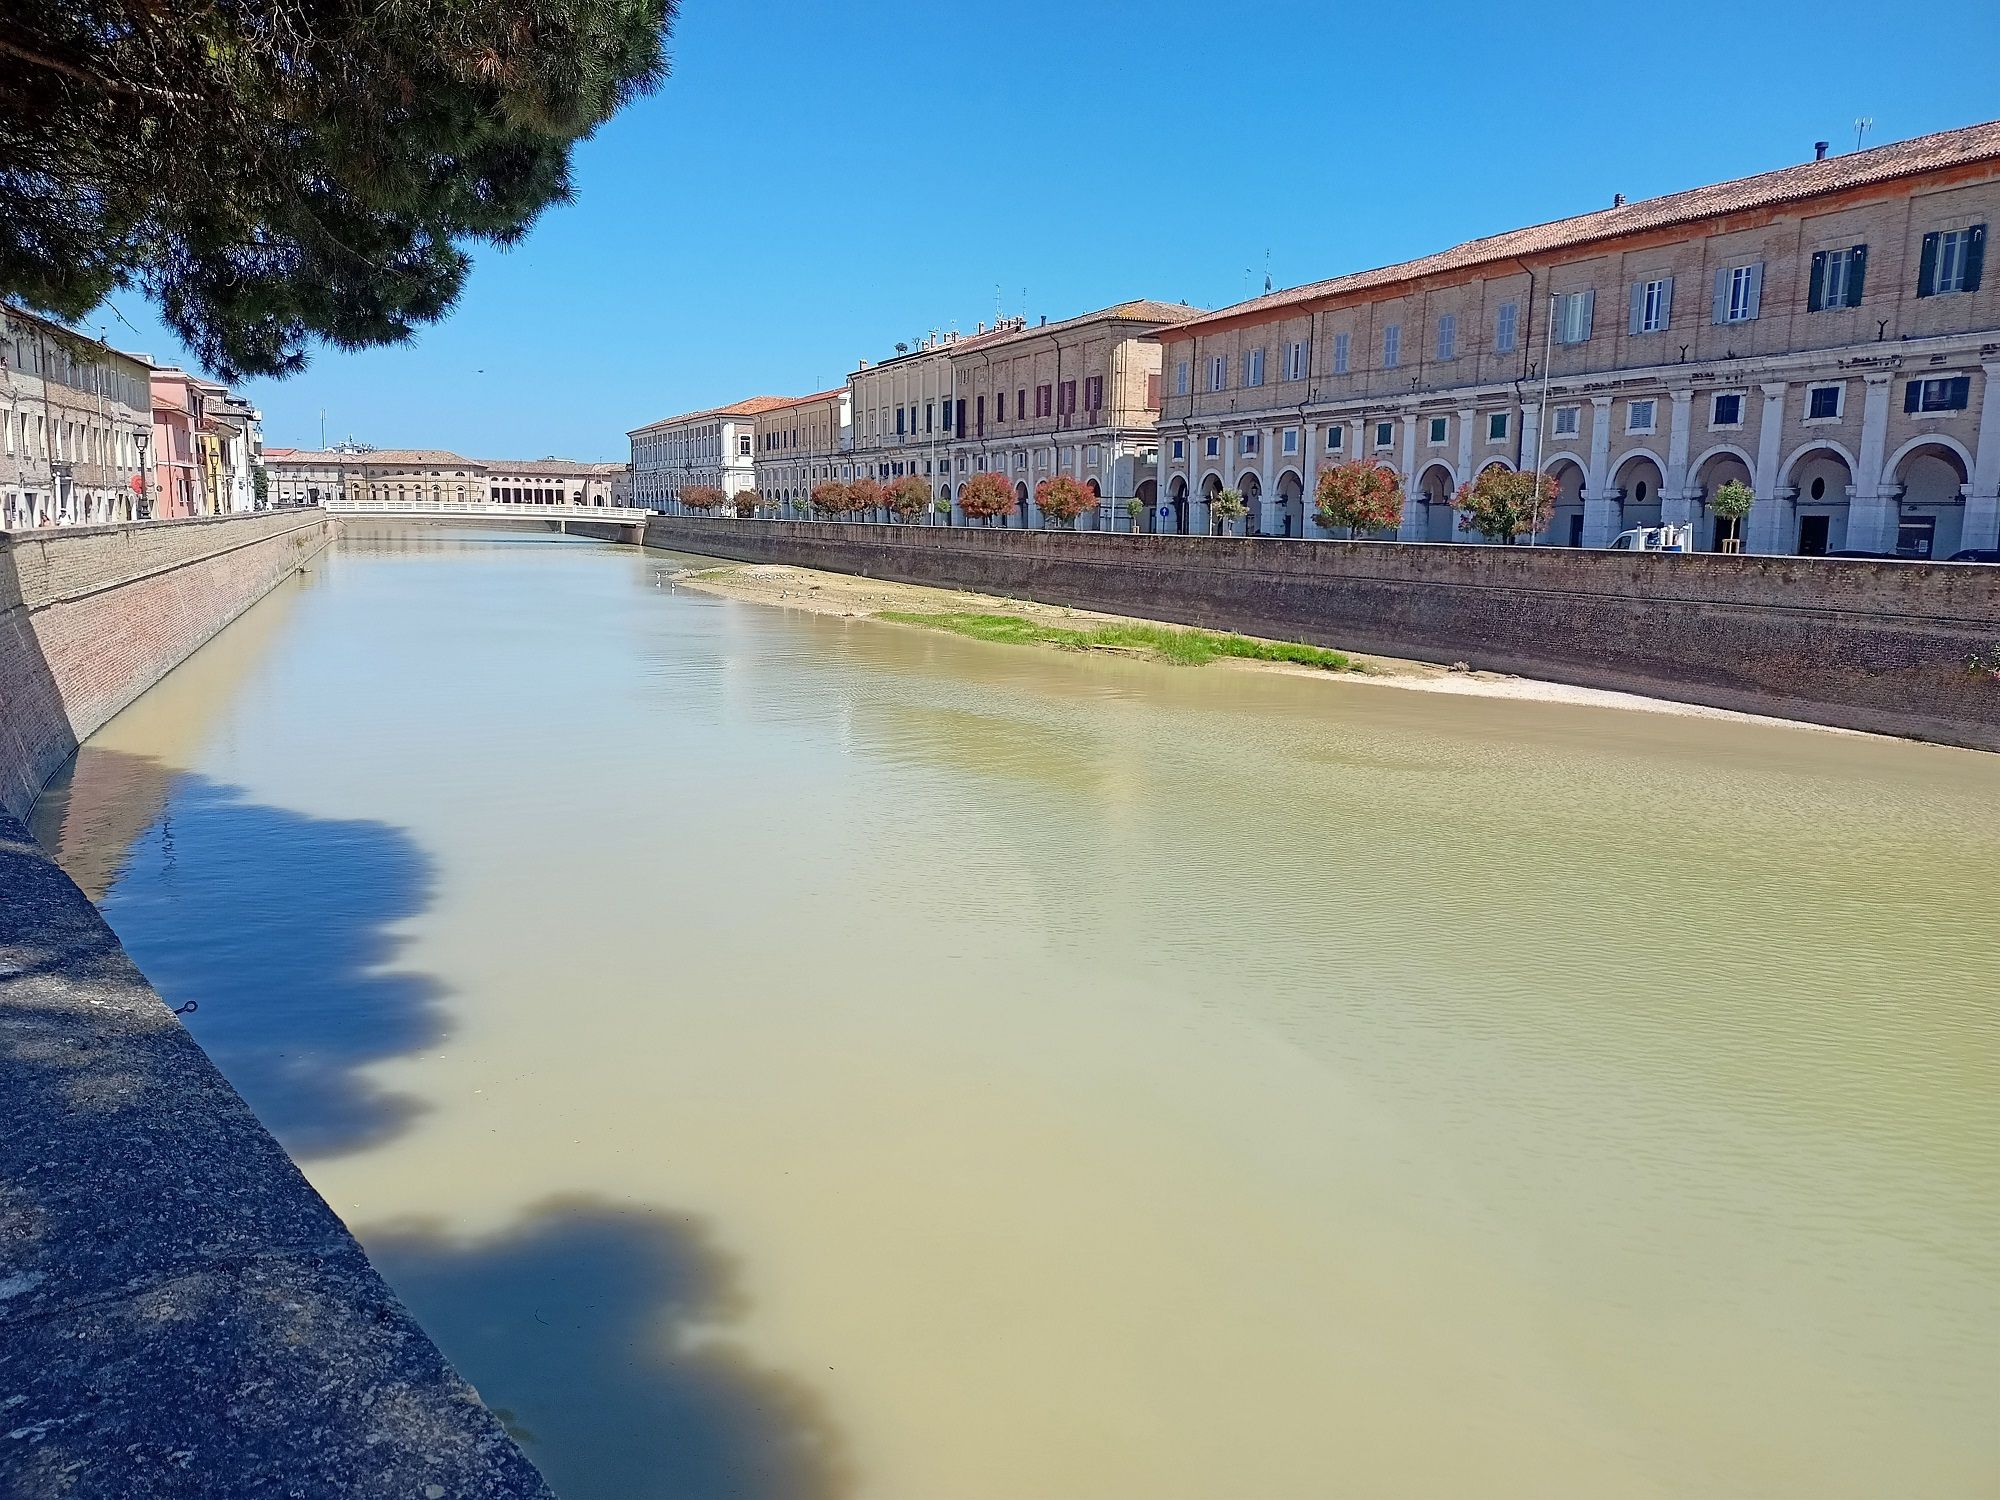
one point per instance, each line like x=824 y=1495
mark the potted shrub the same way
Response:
x=943 y=509
x=1506 y=504
x=1729 y=505
x=1134 y=510
x=1226 y=508
x=1359 y=495
x=1063 y=500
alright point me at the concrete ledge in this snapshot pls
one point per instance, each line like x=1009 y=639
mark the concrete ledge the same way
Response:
x=181 y=1315
x=1879 y=646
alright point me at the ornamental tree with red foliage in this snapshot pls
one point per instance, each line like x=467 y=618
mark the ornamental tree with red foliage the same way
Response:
x=702 y=497
x=908 y=497
x=1062 y=499
x=1359 y=495
x=829 y=497
x=863 y=494
x=747 y=503
x=986 y=497
x=1503 y=504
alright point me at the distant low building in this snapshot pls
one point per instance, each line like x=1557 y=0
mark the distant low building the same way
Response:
x=716 y=448
x=799 y=444
x=434 y=476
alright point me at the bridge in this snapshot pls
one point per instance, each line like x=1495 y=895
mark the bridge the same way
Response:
x=626 y=523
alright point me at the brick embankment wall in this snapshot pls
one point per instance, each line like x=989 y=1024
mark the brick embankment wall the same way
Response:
x=1879 y=646
x=92 y=617
x=181 y=1315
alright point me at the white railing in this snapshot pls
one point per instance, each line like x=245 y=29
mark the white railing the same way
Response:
x=558 y=511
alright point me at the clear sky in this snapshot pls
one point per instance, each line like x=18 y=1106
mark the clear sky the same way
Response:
x=818 y=180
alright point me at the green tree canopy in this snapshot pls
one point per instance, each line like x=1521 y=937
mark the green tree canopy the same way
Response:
x=274 y=173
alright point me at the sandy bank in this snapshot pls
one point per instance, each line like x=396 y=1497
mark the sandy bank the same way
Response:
x=863 y=598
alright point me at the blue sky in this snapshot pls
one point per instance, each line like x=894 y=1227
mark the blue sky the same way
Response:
x=818 y=180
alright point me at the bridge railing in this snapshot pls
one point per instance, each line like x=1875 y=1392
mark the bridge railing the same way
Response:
x=484 y=508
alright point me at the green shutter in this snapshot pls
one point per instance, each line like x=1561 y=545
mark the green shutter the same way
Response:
x=1911 y=394
x=1975 y=256
x=1961 y=392
x=1927 y=266
x=1857 y=275
x=1816 y=286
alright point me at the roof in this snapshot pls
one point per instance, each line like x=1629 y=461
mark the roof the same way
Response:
x=553 y=468
x=1140 y=310
x=1926 y=153
x=413 y=458
x=791 y=401
x=745 y=408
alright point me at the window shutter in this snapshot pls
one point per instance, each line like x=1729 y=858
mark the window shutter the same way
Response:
x=1975 y=256
x=1667 y=302
x=1857 y=275
x=1961 y=392
x=1927 y=268
x=1912 y=393
x=1816 y=287
x=1721 y=310
x=1636 y=316
x=1756 y=288
x=1589 y=305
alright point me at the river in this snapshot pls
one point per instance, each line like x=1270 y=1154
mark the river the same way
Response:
x=798 y=1058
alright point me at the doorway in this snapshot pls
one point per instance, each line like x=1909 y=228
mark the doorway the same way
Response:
x=1813 y=533
x=1916 y=536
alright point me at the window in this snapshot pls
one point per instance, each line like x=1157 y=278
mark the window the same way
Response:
x=979 y=412
x=1944 y=393
x=1639 y=415
x=1727 y=410
x=1248 y=444
x=1573 y=315
x=1385 y=434
x=1152 y=393
x=743 y=446
x=1823 y=403
x=999 y=406
x=1447 y=344
x=1440 y=429
x=1506 y=320
x=1068 y=394
x=1341 y=344
x=1291 y=440
x=1738 y=292
x=1218 y=373
x=1392 y=346
x=1336 y=438
x=1091 y=455
x=1951 y=261
x=1093 y=393
x=1181 y=378
x=1214 y=447
x=1496 y=427
x=1021 y=405
x=1836 y=278
x=1569 y=420
x=1298 y=360
x=899 y=421
x=1044 y=400
x=1020 y=460
x=1180 y=447
x=1253 y=367
x=1652 y=305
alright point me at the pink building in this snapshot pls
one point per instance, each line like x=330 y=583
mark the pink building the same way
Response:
x=179 y=418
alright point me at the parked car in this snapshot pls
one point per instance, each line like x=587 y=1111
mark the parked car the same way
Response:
x=1871 y=556
x=1976 y=554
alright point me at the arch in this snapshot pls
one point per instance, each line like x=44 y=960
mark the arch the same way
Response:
x=1021 y=504
x=1630 y=454
x=1563 y=456
x=1177 y=502
x=1437 y=478
x=1929 y=440
x=1807 y=449
x=1148 y=496
x=1638 y=476
x=1250 y=485
x=1566 y=517
x=1495 y=463
x=1291 y=490
x=1437 y=482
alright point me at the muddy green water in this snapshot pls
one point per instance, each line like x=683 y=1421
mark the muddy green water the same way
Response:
x=797 y=1057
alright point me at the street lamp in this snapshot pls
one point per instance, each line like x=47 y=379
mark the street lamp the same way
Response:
x=140 y=439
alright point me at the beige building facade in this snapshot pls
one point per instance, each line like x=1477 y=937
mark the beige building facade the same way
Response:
x=435 y=476
x=716 y=448
x=798 y=444
x=1824 y=333
x=1079 y=397
x=76 y=421
x=906 y=407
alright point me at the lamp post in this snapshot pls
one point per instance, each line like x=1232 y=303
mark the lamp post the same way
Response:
x=140 y=439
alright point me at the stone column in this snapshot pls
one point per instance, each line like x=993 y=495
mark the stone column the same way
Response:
x=1600 y=511
x=1412 y=529
x=1982 y=501
x=1676 y=504
x=1466 y=417
x=1871 y=508
x=1309 y=459
x=1766 y=522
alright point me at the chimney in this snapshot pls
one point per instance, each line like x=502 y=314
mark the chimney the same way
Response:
x=1819 y=150
x=1045 y=320
x=1617 y=200
x=980 y=327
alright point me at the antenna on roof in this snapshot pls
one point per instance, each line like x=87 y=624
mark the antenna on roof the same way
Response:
x=1862 y=125
x=1267 y=269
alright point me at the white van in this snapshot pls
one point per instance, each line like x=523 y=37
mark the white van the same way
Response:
x=1655 y=539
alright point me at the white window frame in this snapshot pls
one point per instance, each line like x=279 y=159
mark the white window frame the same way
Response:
x=1573 y=317
x=1180 y=448
x=1739 y=306
x=1447 y=336
x=1742 y=411
x=1218 y=372
x=1633 y=423
x=1343 y=346
x=1289 y=442
x=1566 y=421
x=1954 y=248
x=1382 y=441
x=1181 y=376
x=1212 y=448
x=1296 y=360
x=1839 y=388
x=1652 y=305
x=1505 y=422
x=1246 y=446
x=1392 y=346
x=1437 y=431
x=1506 y=327
x=1336 y=437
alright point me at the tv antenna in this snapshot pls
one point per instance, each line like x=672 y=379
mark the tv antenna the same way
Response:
x=1862 y=123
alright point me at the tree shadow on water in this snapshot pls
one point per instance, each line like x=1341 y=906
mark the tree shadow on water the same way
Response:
x=588 y=1326
x=277 y=925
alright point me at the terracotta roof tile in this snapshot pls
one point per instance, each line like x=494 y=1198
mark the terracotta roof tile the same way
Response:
x=745 y=408
x=1140 y=310
x=1926 y=153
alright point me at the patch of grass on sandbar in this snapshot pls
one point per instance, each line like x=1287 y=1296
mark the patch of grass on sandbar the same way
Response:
x=1191 y=648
